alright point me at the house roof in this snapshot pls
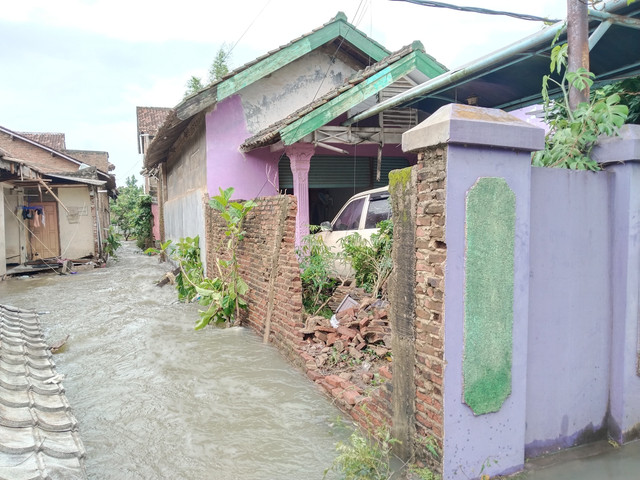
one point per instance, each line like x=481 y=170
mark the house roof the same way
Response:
x=150 y=119
x=53 y=140
x=511 y=77
x=337 y=32
x=109 y=179
x=360 y=86
x=35 y=143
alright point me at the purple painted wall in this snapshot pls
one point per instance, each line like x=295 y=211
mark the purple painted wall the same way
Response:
x=625 y=382
x=471 y=440
x=226 y=129
x=621 y=155
x=569 y=309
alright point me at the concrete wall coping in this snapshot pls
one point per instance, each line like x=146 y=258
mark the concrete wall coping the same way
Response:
x=465 y=124
x=624 y=147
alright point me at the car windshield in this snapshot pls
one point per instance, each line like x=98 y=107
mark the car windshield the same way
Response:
x=379 y=210
x=349 y=219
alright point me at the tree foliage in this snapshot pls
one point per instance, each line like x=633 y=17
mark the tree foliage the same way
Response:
x=125 y=210
x=194 y=85
x=574 y=133
x=218 y=69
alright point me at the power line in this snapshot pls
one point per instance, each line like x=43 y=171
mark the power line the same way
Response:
x=484 y=11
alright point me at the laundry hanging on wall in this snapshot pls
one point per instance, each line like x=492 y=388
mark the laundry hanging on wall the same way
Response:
x=33 y=213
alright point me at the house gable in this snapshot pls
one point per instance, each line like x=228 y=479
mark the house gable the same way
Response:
x=356 y=90
x=338 y=27
x=337 y=34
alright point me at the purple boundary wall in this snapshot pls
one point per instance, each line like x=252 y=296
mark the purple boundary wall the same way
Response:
x=621 y=156
x=576 y=337
x=569 y=308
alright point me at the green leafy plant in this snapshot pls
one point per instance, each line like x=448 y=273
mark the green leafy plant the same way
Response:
x=370 y=259
x=316 y=262
x=143 y=223
x=423 y=473
x=364 y=458
x=224 y=294
x=573 y=133
x=124 y=210
x=112 y=242
x=629 y=91
x=187 y=253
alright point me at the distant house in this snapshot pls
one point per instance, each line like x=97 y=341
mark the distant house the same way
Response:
x=149 y=120
x=55 y=206
x=274 y=124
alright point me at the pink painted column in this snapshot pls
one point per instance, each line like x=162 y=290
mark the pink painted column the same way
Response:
x=300 y=158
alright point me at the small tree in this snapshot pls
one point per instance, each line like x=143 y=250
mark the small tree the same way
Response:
x=125 y=210
x=218 y=69
x=194 y=85
x=224 y=294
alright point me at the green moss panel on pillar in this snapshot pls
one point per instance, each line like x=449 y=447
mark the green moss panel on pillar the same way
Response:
x=488 y=294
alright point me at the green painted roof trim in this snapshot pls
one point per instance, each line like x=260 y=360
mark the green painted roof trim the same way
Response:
x=338 y=27
x=372 y=85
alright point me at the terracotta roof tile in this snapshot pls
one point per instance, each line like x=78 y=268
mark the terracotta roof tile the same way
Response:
x=52 y=140
x=38 y=433
x=150 y=119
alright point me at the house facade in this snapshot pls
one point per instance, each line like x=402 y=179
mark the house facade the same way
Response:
x=54 y=206
x=149 y=121
x=275 y=124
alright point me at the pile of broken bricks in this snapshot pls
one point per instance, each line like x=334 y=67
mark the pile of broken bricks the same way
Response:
x=346 y=353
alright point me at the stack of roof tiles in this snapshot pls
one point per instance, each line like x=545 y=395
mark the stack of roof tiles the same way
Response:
x=38 y=434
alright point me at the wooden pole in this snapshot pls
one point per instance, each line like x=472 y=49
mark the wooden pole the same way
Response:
x=54 y=195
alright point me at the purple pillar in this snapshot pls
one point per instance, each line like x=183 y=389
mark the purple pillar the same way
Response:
x=300 y=157
x=488 y=157
x=620 y=155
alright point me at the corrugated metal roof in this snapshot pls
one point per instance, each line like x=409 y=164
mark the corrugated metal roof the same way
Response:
x=511 y=77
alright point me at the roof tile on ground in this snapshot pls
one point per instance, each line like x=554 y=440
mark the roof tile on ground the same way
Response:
x=38 y=433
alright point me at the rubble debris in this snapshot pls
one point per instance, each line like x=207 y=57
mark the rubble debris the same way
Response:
x=353 y=345
x=169 y=277
x=57 y=346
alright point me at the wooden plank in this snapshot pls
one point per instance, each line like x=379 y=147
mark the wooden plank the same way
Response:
x=337 y=106
x=371 y=48
x=192 y=105
x=428 y=66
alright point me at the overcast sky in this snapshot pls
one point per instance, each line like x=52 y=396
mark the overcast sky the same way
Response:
x=82 y=66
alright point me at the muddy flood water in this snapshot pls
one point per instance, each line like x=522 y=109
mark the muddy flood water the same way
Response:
x=155 y=399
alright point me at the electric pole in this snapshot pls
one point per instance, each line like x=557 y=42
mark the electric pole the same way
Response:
x=578 y=40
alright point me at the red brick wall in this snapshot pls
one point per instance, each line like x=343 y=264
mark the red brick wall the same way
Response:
x=270 y=267
x=267 y=262
x=431 y=252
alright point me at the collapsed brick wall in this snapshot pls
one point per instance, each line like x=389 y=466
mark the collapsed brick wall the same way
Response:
x=431 y=251
x=268 y=263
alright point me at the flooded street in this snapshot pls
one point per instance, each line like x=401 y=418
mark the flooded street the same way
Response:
x=155 y=399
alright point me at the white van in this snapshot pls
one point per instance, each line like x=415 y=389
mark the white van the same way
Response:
x=360 y=214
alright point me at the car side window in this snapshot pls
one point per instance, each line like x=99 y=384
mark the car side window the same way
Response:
x=349 y=219
x=379 y=210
